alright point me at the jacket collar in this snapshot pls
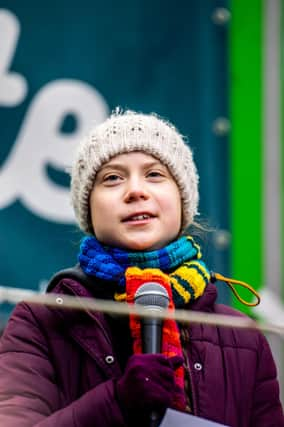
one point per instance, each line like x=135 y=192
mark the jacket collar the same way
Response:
x=207 y=300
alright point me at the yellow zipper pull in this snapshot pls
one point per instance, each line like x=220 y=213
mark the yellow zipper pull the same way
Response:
x=231 y=282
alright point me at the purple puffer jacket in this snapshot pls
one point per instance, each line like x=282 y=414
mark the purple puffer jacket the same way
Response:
x=57 y=369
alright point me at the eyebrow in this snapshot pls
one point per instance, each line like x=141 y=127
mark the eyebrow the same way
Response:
x=121 y=166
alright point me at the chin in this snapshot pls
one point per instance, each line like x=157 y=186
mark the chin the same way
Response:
x=143 y=246
x=138 y=246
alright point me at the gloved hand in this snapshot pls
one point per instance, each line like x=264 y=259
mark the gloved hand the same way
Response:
x=148 y=382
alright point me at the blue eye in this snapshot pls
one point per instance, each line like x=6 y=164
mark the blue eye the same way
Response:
x=154 y=174
x=111 y=178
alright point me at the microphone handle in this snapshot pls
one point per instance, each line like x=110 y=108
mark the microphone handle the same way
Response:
x=152 y=344
x=151 y=332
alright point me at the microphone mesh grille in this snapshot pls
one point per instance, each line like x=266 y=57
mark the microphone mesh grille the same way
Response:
x=152 y=294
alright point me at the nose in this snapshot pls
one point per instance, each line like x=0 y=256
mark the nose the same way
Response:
x=136 y=190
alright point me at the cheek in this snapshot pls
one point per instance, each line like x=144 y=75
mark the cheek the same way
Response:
x=103 y=209
x=175 y=217
x=97 y=209
x=99 y=201
x=173 y=206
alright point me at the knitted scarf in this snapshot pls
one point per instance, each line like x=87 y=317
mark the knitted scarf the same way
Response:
x=188 y=280
x=178 y=267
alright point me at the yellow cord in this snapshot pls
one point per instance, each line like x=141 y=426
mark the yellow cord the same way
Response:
x=231 y=282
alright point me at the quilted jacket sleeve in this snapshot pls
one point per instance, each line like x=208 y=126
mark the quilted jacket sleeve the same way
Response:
x=267 y=409
x=29 y=395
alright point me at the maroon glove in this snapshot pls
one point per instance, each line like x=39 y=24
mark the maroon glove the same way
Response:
x=148 y=382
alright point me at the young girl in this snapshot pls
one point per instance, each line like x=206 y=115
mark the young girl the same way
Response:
x=134 y=191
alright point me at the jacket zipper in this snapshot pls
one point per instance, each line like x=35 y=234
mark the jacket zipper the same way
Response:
x=185 y=338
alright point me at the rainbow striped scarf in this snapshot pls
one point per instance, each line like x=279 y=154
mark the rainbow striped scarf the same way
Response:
x=181 y=259
x=178 y=267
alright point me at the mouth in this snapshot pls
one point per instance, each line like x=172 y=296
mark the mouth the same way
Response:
x=139 y=217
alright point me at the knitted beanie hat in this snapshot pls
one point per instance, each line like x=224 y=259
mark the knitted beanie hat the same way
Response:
x=124 y=133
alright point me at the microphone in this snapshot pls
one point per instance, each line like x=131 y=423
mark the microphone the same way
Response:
x=154 y=297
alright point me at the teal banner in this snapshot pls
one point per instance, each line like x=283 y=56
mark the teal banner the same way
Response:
x=63 y=67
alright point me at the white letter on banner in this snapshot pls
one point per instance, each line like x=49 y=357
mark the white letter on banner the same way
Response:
x=13 y=86
x=40 y=142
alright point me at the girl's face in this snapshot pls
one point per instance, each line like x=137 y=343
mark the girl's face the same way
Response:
x=135 y=203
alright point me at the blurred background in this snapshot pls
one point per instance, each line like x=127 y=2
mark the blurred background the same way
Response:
x=213 y=68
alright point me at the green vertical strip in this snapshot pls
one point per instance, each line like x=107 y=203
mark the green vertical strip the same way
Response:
x=246 y=142
x=281 y=47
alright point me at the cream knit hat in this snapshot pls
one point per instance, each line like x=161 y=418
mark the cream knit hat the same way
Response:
x=124 y=133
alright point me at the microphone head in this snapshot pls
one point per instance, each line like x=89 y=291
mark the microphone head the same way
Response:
x=152 y=295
